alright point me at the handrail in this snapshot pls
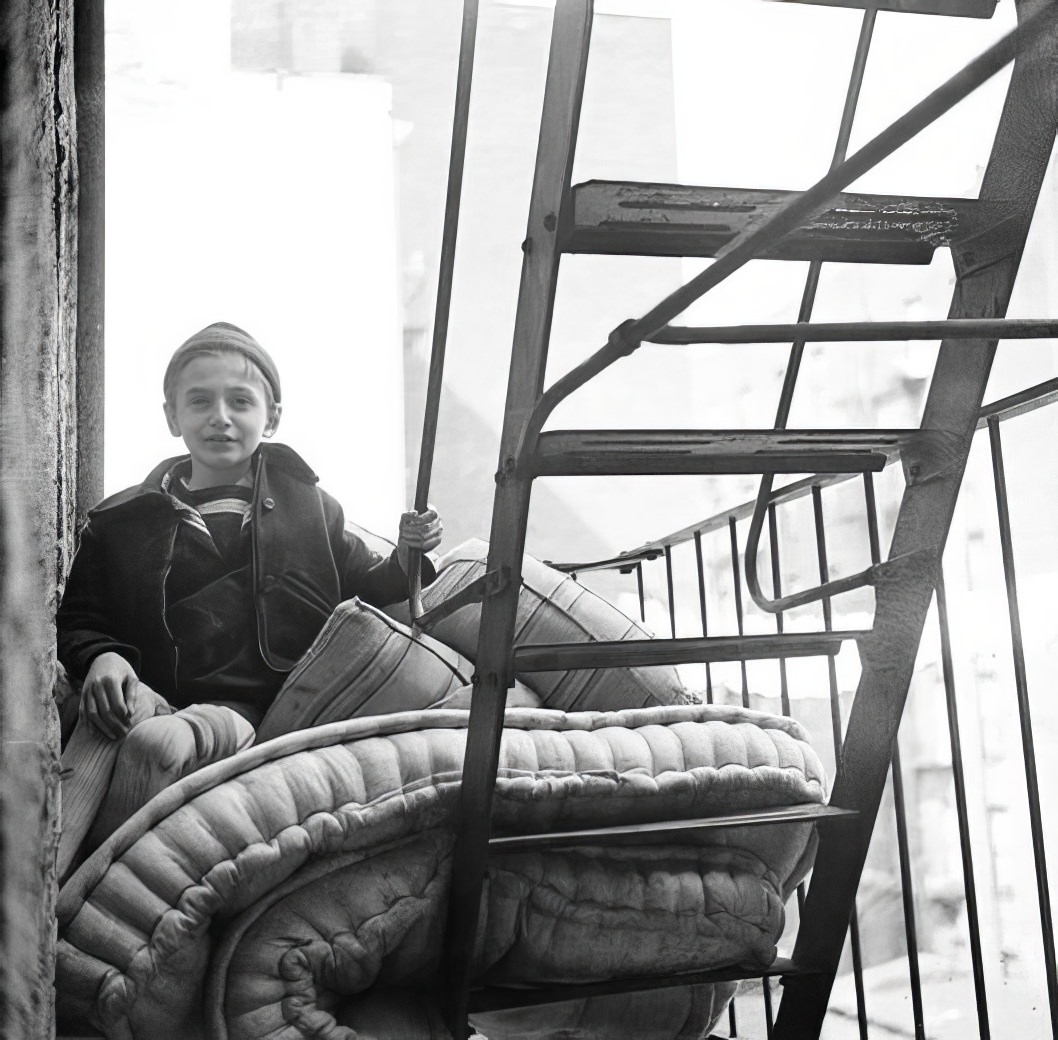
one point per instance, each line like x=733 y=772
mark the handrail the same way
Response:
x=1002 y=49
x=793 y=365
x=862 y=331
x=627 y=561
x=457 y=159
x=1028 y=400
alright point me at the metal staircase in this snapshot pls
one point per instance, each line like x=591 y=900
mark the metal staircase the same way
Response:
x=986 y=238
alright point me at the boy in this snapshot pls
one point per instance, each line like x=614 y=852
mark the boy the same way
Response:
x=194 y=594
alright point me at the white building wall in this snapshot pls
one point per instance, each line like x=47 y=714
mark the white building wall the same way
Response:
x=268 y=202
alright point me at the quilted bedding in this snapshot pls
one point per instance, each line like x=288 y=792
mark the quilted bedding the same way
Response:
x=298 y=889
x=552 y=608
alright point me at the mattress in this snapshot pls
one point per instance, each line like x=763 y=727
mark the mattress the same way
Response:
x=299 y=888
x=364 y=662
x=552 y=608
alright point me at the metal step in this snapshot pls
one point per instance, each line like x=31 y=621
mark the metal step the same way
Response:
x=496 y=998
x=643 y=452
x=954 y=8
x=639 y=653
x=638 y=218
x=669 y=831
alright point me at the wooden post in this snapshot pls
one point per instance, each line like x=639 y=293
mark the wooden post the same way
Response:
x=88 y=85
x=37 y=453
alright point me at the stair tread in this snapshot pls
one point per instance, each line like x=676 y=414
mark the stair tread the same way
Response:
x=633 y=653
x=648 y=833
x=497 y=998
x=648 y=219
x=598 y=452
x=951 y=8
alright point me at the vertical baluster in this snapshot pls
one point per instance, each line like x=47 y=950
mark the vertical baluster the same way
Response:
x=671 y=592
x=704 y=613
x=642 y=594
x=903 y=847
x=445 y=276
x=784 y=685
x=828 y=619
x=769 y=1016
x=863 y=47
x=776 y=588
x=908 y=896
x=784 y=704
x=841 y=145
x=737 y=576
x=835 y=717
x=969 y=883
x=1027 y=746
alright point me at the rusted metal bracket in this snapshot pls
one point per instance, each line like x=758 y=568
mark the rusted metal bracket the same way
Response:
x=490 y=584
x=891 y=580
x=932 y=456
x=624 y=340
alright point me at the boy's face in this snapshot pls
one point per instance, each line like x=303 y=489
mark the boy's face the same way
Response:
x=220 y=408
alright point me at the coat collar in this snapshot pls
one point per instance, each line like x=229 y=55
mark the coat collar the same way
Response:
x=268 y=457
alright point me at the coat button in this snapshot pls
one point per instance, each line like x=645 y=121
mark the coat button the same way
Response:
x=269 y=503
x=268 y=582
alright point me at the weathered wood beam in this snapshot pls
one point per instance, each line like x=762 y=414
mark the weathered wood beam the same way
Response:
x=37 y=322
x=683 y=220
x=89 y=90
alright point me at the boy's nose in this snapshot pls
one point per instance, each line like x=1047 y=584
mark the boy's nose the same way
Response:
x=219 y=416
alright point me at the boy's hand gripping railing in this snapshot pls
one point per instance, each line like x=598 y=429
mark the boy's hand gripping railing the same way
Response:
x=527 y=453
x=464 y=80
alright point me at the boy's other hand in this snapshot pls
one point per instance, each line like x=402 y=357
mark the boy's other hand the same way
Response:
x=420 y=531
x=106 y=692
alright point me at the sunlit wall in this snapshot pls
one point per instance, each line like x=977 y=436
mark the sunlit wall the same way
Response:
x=263 y=199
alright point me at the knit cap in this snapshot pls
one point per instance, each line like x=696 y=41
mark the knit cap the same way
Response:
x=227 y=338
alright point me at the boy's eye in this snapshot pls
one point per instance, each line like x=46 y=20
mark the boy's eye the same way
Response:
x=242 y=402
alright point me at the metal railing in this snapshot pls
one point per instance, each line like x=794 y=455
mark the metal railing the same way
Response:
x=720 y=532
x=523 y=457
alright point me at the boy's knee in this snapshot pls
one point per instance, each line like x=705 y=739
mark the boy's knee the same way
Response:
x=163 y=745
x=171 y=746
x=218 y=732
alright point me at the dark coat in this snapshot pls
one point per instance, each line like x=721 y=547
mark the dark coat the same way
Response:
x=304 y=563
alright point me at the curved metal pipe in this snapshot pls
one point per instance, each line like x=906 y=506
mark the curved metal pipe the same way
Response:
x=793 y=366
